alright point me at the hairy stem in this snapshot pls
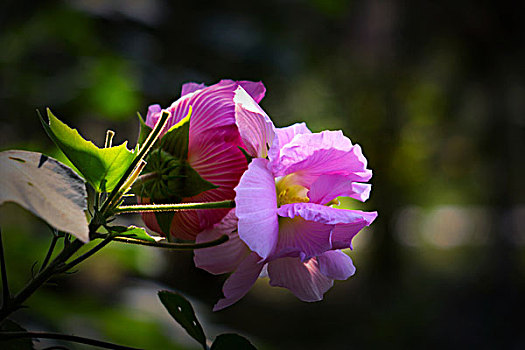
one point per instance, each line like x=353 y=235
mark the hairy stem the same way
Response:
x=142 y=208
x=67 y=337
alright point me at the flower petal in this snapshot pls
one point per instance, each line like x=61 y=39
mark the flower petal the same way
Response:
x=328 y=187
x=304 y=279
x=188 y=88
x=256 y=208
x=307 y=238
x=255 y=127
x=313 y=155
x=255 y=89
x=343 y=234
x=240 y=282
x=336 y=265
x=283 y=136
x=347 y=222
x=224 y=257
x=222 y=164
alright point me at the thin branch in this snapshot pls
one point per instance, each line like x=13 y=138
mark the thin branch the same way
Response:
x=49 y=253
x=17 y=301
x=5 y=284
x=174 y=246
x=67 y=337
x=172 y=207
x=85 y=255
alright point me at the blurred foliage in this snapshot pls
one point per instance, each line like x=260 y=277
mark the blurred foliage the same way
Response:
x=433 y=91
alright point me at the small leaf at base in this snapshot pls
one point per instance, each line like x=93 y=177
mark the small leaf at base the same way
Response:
x=132 y=232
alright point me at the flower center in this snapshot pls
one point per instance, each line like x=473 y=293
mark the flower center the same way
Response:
x=289 y=192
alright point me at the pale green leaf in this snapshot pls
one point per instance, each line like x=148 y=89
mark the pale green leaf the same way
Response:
x=101 y=167
x=133 y=232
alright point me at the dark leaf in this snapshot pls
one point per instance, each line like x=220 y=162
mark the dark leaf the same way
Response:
x=229 y=341
x=143 y=132
x=182 y=311
x=175 y=141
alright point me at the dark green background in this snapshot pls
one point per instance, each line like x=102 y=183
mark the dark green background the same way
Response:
x=434 y=92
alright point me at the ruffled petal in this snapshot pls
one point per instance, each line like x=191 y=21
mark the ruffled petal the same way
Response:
x=225 y=257
x=328 y=187
x=304 y=279
x=283 y=136
x=256 y=208
x=255 y=127
x=188 y=88
x=240 y=282
x=325 y=153
x=347 y=222
x=336 y=265
x=343 y=234
x=306 y=238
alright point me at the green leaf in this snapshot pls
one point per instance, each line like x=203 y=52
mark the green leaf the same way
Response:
x=14 y=344
x=164 y=220
x=176 y=139
x=101 y=167
x=182 y=311
x=47 y=188
x=229 y=341
x=246 y=155
x=131 y=232
x=144 y=130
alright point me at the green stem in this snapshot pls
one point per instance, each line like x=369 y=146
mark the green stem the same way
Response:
x=143 y=208
x=67 y=337
x=143 y=151
x=174 y=246
x=5 y=284
x=49 y=252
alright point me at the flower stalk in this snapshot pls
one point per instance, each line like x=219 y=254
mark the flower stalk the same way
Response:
x=145 y=208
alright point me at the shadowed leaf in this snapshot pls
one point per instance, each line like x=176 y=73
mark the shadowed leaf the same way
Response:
x=182 y=311
x=231 y=341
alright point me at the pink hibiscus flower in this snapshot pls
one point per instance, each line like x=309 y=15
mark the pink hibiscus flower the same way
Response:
x=212 y=150
x=283 y=225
